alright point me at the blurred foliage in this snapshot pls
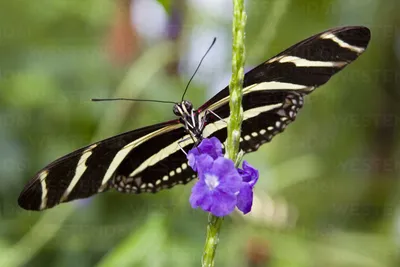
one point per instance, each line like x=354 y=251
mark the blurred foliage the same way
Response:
x=329 y=189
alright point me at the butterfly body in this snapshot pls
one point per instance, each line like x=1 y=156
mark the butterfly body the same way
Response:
x=152 y=158
x=191 y=119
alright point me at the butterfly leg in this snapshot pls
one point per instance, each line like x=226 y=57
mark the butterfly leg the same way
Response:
x=187 y=124
x=215 y=114
x=183 y=140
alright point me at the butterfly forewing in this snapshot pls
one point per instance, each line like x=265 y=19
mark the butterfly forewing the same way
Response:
x=92 y=169
x=273 y=91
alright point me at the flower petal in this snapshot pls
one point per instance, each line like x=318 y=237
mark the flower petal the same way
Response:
x=249 y=173
x=245 y=198
x=223 y=203
x=198 y=194
x=203 y=164
x=192 y=160
x=217 y=147
x=229 y=178
x=217 y=202
x=211 y=146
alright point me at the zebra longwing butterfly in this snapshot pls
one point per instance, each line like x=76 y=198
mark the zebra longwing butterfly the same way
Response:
x=150 y=159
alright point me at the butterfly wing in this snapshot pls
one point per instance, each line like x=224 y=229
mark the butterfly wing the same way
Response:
x=273 y=91
x=122 y=162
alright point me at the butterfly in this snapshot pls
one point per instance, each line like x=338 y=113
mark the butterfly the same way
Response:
x=152 y=158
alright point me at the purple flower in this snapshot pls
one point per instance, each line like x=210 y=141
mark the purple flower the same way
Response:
x=221 y=186
x=249 y=173
x=211 y=147
x=218 y=185
x=249 y=178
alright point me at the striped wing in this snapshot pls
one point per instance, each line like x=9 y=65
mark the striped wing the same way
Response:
x=273 y=91
x=147 y=159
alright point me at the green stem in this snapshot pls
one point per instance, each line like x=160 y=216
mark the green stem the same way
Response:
x=235 y=119
x=212 y=238
x=236 y=84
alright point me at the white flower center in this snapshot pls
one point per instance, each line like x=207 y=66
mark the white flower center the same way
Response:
x=211 y=181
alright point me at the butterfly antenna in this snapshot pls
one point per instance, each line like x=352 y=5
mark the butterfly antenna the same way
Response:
x=132 y=99
x=208 y=50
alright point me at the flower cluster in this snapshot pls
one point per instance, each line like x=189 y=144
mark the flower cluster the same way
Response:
x=221 y=187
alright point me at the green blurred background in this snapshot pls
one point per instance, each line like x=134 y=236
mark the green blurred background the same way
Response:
x=328 y=193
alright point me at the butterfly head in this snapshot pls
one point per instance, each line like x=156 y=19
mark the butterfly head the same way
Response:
x=183 y=109
x=189 y=117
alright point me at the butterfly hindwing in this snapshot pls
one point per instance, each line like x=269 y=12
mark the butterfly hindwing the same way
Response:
x=162 y=164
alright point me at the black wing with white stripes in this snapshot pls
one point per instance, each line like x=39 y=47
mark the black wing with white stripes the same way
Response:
x=273 y=92
x=151 y=158
x=137 y=161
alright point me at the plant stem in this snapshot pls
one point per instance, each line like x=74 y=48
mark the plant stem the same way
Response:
x=235 y=119
x=236 y=84
x=210 y=247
